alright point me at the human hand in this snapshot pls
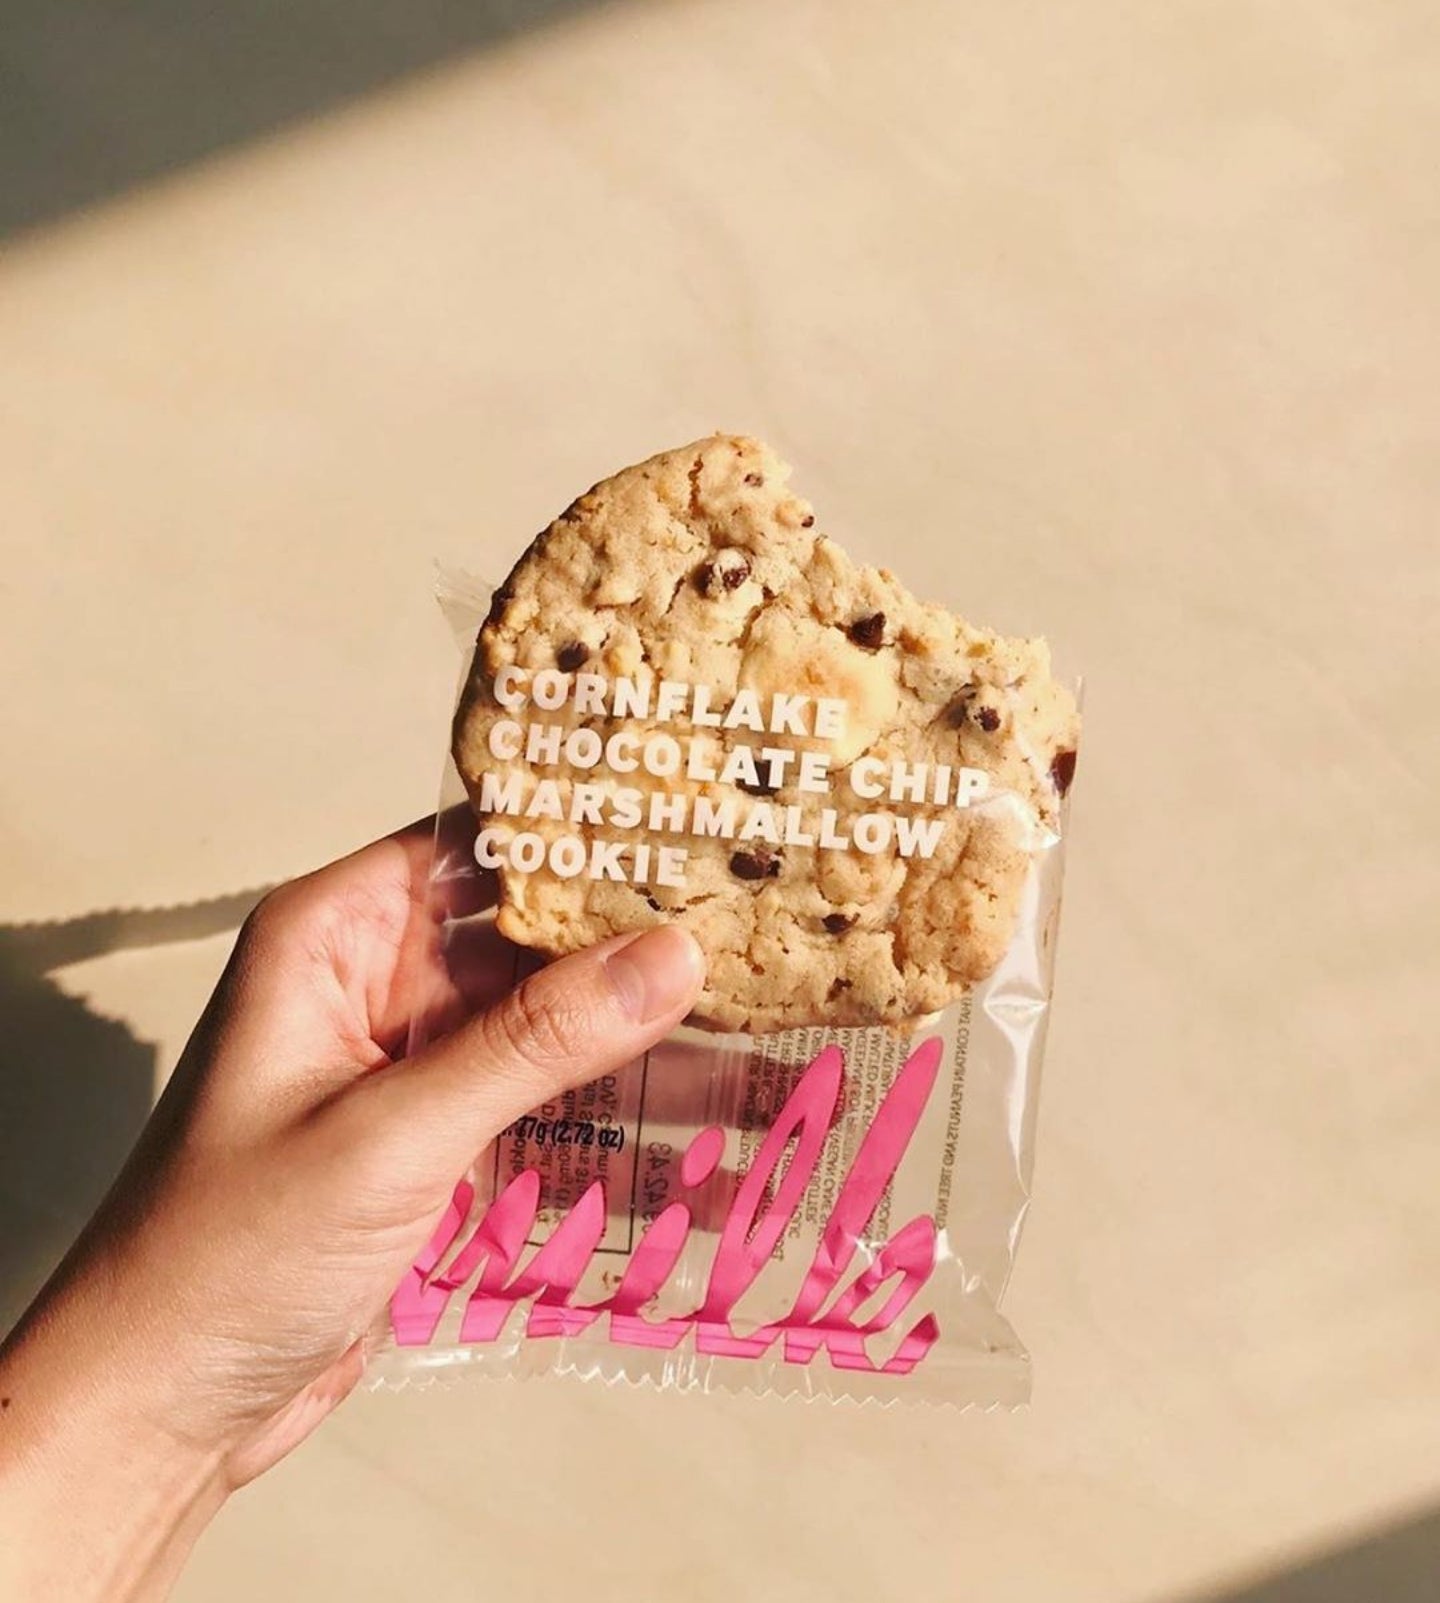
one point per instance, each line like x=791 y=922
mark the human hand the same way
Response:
x=214 y=1310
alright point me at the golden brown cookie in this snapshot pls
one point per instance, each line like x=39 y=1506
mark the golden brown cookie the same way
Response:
x=859 y=873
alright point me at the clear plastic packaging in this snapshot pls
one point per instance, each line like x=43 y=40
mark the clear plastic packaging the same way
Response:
x=819 y=1212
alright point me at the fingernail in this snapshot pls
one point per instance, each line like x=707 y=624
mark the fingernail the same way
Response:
x=657 y=972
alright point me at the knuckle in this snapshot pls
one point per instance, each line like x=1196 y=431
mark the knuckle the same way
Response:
x=280 y=915
x=544 y=1025
x=264 y=918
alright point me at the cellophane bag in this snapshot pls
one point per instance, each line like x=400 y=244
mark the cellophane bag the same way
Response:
x=818 y=1212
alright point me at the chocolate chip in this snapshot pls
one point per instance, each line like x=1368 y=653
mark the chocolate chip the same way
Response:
x=754 y=865
x=1062 y=770
x=761 y=787
x=649 y=898
x=570 y=657
x=808 y=521
x=868 y=633
x=988 y=719
x=838 y=923
x=837 y=986
x=728 y=571
x=755 y=478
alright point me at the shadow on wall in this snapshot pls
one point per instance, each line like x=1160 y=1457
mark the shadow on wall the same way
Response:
x=75 y=1088
x=96 y=97
x=1400 y=1564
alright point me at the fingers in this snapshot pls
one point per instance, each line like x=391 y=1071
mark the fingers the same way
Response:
x=369 y=923
x=571 y=1022
x=425 y=868
x=457 y=887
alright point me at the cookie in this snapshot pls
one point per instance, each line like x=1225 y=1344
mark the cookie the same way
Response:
x=868 y=869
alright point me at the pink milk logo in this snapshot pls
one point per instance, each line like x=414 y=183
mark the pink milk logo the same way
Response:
x=818 y=1319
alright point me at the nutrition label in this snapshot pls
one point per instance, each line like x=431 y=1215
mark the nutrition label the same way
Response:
x=871 y=1060
x=630 y=1130
x=959 y=1049
x=589 y=1134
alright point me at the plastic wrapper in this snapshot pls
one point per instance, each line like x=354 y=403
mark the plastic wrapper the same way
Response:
x=820 y=1212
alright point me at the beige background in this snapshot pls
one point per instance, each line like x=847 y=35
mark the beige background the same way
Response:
x=1113 y=321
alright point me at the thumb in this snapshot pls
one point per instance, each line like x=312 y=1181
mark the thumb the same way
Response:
x=581 y=1017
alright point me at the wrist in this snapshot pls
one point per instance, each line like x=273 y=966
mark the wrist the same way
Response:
x=97 y=1499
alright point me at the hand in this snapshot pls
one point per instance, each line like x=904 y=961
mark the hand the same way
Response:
x=214 y=1310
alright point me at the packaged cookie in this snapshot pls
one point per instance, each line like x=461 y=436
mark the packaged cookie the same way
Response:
x=687 y=703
